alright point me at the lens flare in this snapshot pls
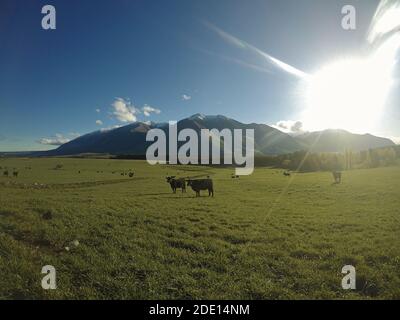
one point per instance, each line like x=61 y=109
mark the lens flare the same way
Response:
x=351 y=93
x=385 y=20
x=346 y=94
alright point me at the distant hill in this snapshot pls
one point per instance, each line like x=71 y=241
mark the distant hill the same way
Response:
x=131 y=139
x=341 y=140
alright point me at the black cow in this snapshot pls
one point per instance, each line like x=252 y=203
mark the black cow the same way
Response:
x=202 y=184
x=287 y=174
x=177 y=184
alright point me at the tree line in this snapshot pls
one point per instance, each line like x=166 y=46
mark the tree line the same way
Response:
x=305 y=161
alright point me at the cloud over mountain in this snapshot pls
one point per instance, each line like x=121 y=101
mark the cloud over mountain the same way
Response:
x=124 y=111
x=290 y=126
x=57 y=140
x=148 y=110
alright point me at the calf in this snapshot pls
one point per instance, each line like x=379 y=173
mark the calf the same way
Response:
x=202 y=184
x=15 y=174
x=177 y=184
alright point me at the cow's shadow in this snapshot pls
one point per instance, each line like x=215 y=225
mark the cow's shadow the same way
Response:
x=174 y=195
x=154 y=194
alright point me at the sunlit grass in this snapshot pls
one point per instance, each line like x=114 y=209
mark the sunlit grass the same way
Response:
x=139 y=241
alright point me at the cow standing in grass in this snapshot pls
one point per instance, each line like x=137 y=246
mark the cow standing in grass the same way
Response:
x=177 y=184
x=15 y=174
x=202 y=184
x=337 y=176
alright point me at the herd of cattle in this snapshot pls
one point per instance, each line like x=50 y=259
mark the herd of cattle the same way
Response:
x=7 y=173
x=337 y=176
x=207 y=184
x=130 y=173
x=197 y=185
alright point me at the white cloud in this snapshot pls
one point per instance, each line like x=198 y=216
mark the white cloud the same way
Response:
x=98 y=110
x=99 y=122
x=57 y=140
x=290 y=126
x=147 y=110
x=75 y=134
x=110 y=128
x=186 y=97
x=124 y=111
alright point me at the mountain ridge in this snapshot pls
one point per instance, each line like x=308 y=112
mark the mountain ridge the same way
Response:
x=131 y=138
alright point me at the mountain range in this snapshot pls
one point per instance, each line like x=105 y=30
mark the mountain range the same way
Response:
x=131 y=139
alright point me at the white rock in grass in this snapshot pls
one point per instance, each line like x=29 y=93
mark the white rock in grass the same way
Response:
x=67 y=248
x=75 y=243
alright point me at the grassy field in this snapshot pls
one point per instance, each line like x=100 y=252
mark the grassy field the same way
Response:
x=264 y=236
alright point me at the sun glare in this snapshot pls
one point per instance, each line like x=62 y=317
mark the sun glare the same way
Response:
x=347 y=95
x=350 y=94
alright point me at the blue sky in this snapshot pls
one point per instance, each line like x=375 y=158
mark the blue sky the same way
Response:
x=55 y=85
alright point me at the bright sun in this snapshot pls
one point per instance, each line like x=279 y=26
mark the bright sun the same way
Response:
x=350 y=94
x=347 y=95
